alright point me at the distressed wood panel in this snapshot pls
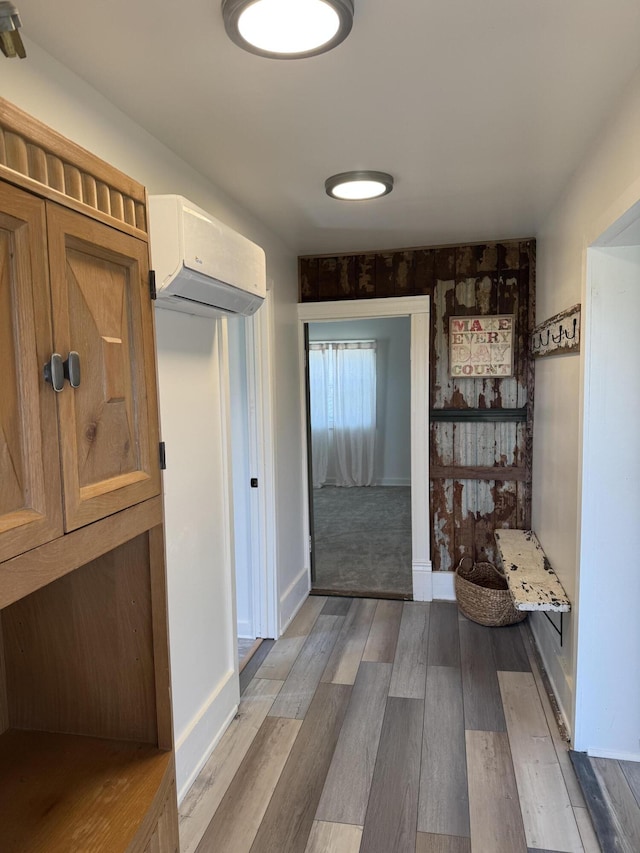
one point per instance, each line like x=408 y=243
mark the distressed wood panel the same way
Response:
x=484 y=279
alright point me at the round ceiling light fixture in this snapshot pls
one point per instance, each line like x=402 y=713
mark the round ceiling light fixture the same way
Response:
x=359 y=186
x=287 y=29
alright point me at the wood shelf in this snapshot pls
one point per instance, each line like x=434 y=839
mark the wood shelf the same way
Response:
x=34 y=569
x=63 y=792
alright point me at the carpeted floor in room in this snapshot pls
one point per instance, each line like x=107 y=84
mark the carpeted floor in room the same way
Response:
x=362 y=538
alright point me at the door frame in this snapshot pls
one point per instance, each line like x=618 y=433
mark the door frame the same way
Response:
x=605 y=698
x=260 y=372
x=427 y=585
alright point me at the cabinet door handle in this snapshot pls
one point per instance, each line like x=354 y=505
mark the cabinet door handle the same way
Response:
x=72 y=369
x=54 y=372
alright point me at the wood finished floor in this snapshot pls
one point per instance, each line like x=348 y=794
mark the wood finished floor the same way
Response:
x=612 y=791
x=390 y=727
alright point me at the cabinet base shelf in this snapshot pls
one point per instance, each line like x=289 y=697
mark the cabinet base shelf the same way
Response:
x=61 y=792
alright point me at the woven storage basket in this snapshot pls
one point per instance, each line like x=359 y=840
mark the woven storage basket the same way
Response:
x=483 y=595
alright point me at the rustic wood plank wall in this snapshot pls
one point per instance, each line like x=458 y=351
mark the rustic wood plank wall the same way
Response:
x=492 y=278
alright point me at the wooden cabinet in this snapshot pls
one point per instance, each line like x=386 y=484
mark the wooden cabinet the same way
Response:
x=102 y=435
x=86 y=752
x=30 y=508
x=102 y=310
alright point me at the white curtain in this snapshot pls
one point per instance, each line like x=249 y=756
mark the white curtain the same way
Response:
x=321 y=360
x=342 y=377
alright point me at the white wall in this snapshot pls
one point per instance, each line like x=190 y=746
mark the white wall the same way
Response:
x=393 y=381
x=603 y=187
x=201 y=617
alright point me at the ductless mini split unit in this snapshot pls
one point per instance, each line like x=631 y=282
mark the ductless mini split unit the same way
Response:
x=202 y=266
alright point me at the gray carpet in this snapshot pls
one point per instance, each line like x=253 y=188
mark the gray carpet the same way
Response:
x=363 y=539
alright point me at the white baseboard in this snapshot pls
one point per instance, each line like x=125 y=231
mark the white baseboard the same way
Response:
x=198 y=740
x=546 y=641
x=245 y=630
x=293 y=598
x=615 y=754
x=444 y=586
x=432 y=586
x=421 y=576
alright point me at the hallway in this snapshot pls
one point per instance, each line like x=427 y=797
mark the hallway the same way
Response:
x=390 y=727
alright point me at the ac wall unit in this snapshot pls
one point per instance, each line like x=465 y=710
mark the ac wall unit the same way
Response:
x=202 y=266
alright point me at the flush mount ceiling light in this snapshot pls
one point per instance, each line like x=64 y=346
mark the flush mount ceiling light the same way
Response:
x=358 y=186
x=10 y=42
x=287 y=29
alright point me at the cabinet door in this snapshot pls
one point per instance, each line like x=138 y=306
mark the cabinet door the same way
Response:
x=29 y=467
x=102 y=310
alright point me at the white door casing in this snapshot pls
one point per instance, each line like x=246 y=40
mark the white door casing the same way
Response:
x=427 y=585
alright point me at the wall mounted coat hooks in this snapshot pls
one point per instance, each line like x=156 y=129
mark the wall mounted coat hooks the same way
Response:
x=557 y=335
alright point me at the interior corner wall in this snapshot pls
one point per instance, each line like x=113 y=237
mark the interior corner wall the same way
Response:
x=186 y=348
x=603 y=186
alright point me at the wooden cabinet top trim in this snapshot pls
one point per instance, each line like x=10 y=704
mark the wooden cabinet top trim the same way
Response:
x=39 y=159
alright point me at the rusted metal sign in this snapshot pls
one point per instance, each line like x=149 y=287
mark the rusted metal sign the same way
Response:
x=557 y=335
x=481 y=346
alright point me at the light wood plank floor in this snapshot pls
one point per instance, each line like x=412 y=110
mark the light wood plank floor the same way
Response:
x=390 y=727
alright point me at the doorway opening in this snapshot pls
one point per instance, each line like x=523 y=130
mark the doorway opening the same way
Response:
x=415 y=311
x=360 y=443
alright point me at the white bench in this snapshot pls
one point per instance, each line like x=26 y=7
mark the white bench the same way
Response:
x=532 y=582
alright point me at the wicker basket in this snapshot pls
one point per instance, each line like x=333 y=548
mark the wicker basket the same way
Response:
x=483 y=595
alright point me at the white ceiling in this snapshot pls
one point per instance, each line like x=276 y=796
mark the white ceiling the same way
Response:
x=481 y=109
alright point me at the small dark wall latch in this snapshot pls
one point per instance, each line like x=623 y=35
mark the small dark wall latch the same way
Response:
x=254 y=482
